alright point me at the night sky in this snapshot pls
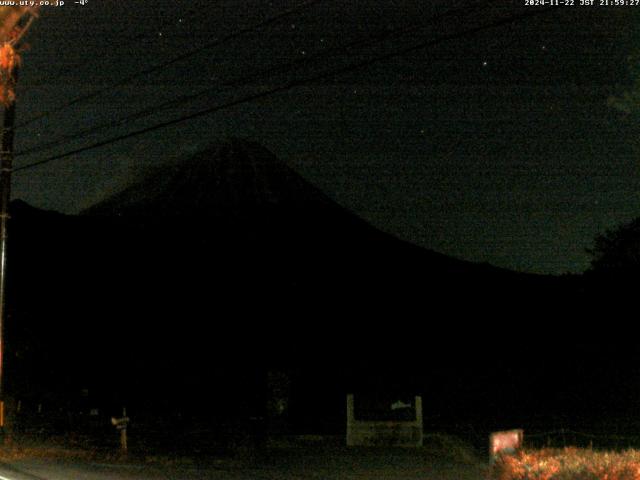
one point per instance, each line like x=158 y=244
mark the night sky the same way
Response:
x=493 y=146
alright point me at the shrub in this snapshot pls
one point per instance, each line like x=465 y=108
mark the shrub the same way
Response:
x=567 y=464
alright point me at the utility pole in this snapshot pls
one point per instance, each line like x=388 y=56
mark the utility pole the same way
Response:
x=6 y=165
x=14 y=22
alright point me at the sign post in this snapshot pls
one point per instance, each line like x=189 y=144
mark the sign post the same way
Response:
x=121 y=425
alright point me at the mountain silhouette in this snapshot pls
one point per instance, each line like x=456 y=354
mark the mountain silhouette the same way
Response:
x=234 y=233
x=239 y=189
x=268 y=234
x=242 y=184
x=230 y=262
x=234 y=178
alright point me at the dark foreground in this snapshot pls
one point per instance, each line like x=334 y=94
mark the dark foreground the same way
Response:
x=276 y=463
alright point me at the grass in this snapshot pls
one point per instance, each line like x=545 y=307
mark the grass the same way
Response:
x=62 y=449
x=568 y=464
x=449 y=448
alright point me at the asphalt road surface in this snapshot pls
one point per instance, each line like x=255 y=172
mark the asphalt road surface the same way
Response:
x=289 y=465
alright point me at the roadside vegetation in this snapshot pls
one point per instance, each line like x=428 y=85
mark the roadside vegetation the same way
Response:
x=568 y=464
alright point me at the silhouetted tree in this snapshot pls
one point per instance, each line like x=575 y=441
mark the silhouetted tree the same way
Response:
x=628 y=101
x=617 y=251
x=613 y=281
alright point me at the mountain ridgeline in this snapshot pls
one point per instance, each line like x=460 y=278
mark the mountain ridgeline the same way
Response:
x=232 y=259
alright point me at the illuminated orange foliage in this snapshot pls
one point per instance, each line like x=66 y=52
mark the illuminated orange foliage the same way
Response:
x=9 y=18
x=11 y=31
x=568 y=464
x=9 y=60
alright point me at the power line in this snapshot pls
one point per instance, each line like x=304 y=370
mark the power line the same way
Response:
x=122 y=42
x=63 y=139
x=282 y=68
x=369 y=40
x=288 y=86
x=50 y=79
x=179 y=58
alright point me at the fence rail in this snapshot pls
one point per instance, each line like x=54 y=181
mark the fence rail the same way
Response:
x=575 y=438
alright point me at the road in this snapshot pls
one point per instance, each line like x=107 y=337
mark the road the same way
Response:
x=289 y=465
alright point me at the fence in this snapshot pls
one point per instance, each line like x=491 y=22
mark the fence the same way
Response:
x=572 y=438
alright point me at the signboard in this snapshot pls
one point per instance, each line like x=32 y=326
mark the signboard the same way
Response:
x=505 y=442
x=385 y=409
x=384 y=420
